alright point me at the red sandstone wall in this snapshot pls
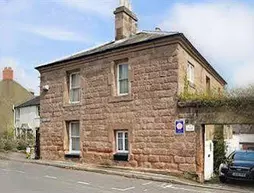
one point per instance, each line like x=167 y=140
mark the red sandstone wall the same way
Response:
x=148 y=113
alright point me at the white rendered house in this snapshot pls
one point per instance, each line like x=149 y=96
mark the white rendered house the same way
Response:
x=27 y=117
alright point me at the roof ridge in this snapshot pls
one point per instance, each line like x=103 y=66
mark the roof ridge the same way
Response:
x=160 y=32
x=35 y=101
x=140 y=36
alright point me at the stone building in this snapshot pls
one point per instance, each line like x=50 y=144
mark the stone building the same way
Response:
x=11 y=94
x=117 y=104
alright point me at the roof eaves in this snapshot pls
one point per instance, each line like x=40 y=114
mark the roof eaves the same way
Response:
x=69 y=57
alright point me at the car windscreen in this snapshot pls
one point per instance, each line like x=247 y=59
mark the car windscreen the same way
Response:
x=244 y=156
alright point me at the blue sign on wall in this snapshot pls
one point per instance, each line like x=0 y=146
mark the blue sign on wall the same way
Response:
x=179 y=126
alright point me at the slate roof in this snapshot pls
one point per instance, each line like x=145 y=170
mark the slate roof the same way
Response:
x=32 y=102
x=140 y=37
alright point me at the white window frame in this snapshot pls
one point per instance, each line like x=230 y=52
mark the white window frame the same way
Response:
x=118 y=81
x=190 y=73
x=70 y=87
x=124 y=149
x=38 y=111
x=70 y=137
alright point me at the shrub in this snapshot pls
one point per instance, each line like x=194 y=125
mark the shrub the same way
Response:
x=21 y=144
x=7 y=141
x=219 y=148
x=1 y=144
x=9 y=144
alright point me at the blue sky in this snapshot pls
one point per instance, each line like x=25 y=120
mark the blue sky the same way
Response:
x=33 y=32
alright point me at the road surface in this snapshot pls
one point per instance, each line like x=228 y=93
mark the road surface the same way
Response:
x=17 y=177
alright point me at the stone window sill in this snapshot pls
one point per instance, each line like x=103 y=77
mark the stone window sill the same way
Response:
x=72 y=104
x=121 y=156
x=123 y=98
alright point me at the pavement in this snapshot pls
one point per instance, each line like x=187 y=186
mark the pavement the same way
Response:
x=18 y=174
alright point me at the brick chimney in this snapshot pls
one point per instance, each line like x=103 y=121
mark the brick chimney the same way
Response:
x=7 y=73
x=125 y=21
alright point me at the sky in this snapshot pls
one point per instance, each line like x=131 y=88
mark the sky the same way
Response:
x=34 y=32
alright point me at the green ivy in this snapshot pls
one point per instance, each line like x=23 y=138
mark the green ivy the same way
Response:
x=236 y=98
x=219 y=148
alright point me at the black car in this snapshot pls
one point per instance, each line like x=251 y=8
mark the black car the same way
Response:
x=239 y=166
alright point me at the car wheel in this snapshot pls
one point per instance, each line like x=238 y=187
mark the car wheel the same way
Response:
x=222 y=179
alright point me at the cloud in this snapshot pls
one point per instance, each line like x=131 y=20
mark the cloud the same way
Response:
x=55 y=33
x=27 y=79
x=16 y=16
x=222 y=30
x=100 y=8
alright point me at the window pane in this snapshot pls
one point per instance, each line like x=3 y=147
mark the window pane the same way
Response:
x=190 y=73
x=18 y=114
x=75 y=80
x=75 y=144
x=124 y=86
x=120 y=144
x=74 y=129
x=123 y=71
x=120 y=141
x=126 y=142
x=38 y=110
x=74 y=95
x=120 y=135
x=75 y=124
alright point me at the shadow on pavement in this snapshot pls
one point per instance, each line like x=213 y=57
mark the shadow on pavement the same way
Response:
x=244 y=185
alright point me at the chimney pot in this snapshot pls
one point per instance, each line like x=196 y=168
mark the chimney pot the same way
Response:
x=7 y=73
x=157 y=29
